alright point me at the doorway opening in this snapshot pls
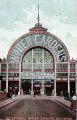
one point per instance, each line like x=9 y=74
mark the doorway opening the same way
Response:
x=48 y=88
x=26 y=86
x=37 y=88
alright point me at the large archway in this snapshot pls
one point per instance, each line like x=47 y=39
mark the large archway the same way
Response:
x=43 y=40
x=37 y=68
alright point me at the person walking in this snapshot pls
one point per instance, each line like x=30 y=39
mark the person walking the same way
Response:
x=74 y=102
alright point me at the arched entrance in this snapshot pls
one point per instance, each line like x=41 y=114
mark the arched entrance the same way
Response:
x=37 y=66
x=37 y=69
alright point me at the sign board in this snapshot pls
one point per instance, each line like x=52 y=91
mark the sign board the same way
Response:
x=31 y=75
x=51 y=42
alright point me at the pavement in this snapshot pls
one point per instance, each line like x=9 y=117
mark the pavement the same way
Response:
x=63 y=101
x=18 y=97
x=8 y=101
x=40 y=107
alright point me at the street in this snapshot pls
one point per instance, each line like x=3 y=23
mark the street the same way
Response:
x=35 y=109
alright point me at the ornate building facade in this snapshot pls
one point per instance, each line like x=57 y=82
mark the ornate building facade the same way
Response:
x=38 y=60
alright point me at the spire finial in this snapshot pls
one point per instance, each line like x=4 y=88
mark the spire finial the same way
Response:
x=38 y=18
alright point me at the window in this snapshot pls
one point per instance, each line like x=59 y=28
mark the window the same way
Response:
x=4 y=66
x=72 y=66
x=37 y=59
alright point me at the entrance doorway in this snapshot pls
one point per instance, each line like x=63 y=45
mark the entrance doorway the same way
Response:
x=48 y=88
x=36 y=88
x=26 y=87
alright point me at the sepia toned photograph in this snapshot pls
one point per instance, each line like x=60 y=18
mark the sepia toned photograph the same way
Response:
x=38 y=59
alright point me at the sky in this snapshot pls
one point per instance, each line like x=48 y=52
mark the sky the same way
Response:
x=18 y=16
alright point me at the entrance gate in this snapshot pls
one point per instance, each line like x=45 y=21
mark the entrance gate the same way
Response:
x=49 y=86
x=26 y=86
x=39 y=86
x=37 y=65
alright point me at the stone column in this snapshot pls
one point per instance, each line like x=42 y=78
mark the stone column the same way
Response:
x=7 y=78
x=69 y=78
x=55 y=81
x=42 y=89
x=31 y=87
x=32 y=75
x=19 y=78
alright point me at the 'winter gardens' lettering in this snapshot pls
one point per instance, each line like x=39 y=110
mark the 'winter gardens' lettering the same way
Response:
x=38 y=40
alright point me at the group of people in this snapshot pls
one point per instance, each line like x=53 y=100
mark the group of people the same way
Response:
x=36 y=92
x=12 y=91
